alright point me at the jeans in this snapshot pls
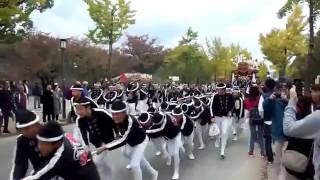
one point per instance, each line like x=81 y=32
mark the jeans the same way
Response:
x=268 y=142
x=256 y=135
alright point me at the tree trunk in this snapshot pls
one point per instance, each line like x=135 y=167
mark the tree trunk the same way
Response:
x=109 y=61
x=308 y=78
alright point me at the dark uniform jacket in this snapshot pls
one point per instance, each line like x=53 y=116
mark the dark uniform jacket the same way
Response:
x=222 y=105
x=167 y=129
x=130 y=132
x=26 y=150
x=99 y=127
x=69 y=163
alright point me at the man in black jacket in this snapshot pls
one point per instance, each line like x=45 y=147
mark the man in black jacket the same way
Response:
x=133 y=136
x=6 y=106
x=27 y=145
x=99 y=125
x=221 y=108
x=66 y=157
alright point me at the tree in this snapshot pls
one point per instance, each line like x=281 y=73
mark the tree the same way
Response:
x=263 y=71
x=314 y=12
x=187 y=61
x=15 y=18
x=111 y=19
x=222 y=58
x=146 y=51
x=281 y=46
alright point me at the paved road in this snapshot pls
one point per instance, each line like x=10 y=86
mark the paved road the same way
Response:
x=207 y=165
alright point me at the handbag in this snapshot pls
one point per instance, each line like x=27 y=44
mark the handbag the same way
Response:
x=296 y=161
x=214 y=130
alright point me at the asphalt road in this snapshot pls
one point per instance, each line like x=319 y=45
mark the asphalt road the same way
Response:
x=206 y=166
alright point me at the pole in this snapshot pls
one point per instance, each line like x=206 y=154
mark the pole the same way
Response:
x=63 y=85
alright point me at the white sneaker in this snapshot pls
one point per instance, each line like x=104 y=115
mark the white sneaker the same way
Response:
x=158 y=153
x=235 y=138
x=168 y=163
x=191 y=157
x=128 y=166
x=175 y=176
x=202 y=147
x=155 y=176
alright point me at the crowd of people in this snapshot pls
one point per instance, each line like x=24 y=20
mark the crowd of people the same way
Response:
x=108 y=116
x=16 y=96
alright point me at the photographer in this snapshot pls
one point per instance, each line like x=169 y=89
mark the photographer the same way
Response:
x=308 y=127
x=276 y=103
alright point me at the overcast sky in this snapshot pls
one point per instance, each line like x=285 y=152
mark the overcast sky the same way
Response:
x=237 y=21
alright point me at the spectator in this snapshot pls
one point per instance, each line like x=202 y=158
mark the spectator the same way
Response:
x=302 y=146
x=308 y=127
x=85 y=88
x=256 y=128
x=268 y=90
x=20 y=99
x=36 y=92
x=47 y=101
x=56 y=101
x=275 y=105
x=6 y=106
x=25 y=84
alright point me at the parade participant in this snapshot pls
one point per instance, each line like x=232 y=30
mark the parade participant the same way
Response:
x=221 y=109
x=142 y=105
x=238 y=112
x=98 y=124
x=76 y=91
x=146 y=120
x=186 y=126
x=201 y=115
x=132 y=97
x=133 y=136
x=96 y=94
x=120 y=92
x=64 y=159
x=110 y=97
x=26 y=149
x=164 y=108
x=169 y=129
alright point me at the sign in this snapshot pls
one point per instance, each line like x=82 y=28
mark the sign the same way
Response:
x=174 y=78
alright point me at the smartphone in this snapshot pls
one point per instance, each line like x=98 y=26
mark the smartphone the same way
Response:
x=299 y=86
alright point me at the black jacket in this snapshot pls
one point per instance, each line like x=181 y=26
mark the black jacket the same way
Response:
x=26 y=150
x=6 y=101
x=99 y=126
x=186 y=126
x=130 y=132
x=222 y=105
x=65 y=163
x=167 y=129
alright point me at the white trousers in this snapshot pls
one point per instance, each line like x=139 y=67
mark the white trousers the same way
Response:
x=103 y=166
x=188 y=141
x=138 y=160
x=174 y=146
x=132 y=109
x=142 y=106
x=160 y=146
x=224 y=123
x=199 y=131
x=237 y=125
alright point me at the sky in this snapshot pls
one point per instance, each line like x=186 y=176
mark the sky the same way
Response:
x=234 y=21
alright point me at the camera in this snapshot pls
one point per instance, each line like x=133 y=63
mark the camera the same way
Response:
x=299 y=83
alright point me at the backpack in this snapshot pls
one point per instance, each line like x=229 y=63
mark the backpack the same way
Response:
x=254 y=116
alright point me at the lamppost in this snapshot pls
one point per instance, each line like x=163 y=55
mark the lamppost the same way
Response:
x=63 y=46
